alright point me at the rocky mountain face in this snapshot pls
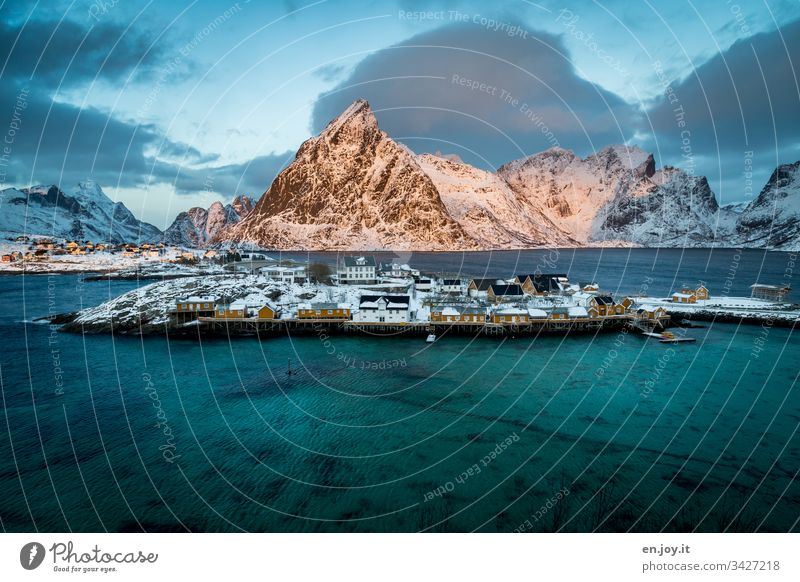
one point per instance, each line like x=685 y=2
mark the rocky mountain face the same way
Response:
x=197 y=226
x=617 y=195
x=81 y=213
x=488 y=210
x=772 y=220
x=352 y=187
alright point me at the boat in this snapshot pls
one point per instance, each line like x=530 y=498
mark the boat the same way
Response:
x=669 y=338
x=431 y=338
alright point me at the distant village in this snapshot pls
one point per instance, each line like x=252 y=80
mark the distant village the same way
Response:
x=41 y=249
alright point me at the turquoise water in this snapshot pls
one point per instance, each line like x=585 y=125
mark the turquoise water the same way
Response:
x=582 y=433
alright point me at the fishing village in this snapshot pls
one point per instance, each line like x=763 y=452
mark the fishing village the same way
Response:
x=362 y=296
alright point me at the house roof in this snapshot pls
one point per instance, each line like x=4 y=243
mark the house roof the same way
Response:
x=507 y=290
x=577 y=311
x=533 y=312
x=776 y=287
x=392 y=301
x=360 y=261
x=512 y=311
x=604 y=299
x=682 y=295
x=199 y=299
x=543 y=282
x=324 y=305
x=483 y=284
x=459 y=310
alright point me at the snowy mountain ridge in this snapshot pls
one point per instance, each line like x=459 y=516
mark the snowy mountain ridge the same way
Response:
x=84 y=213
x=354 y=188
x=195 y=227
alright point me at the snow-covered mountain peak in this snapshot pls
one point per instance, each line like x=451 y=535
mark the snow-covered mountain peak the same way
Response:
x=83 y=212
x=355 y=124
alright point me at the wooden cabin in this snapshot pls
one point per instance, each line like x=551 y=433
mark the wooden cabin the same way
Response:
x=684 y=297
x=510 y=315
x=236 y=310
x=267 y=311
x=650 y=312
x=559 y=313
x=191 y=308
x=604 y=305
x=540 y=284
x=479 y=287
x=458 y=314
x=323 y=311
x=701 y=292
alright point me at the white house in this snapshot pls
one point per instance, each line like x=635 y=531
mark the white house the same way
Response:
x=454 y=286
x=397 y=271
x=358 y=271
x=383 y=309
x=285 y=274
x=423 y=284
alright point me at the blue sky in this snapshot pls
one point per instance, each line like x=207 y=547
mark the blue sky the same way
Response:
x=169 y=105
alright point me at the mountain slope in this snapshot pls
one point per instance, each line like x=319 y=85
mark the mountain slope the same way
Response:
x=772 y=220
x=487 y=209
x=352 y=187
x=197 y=226
x=84 y=213
x=617 y=194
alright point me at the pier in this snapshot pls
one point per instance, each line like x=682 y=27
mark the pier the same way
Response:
x=266 y=327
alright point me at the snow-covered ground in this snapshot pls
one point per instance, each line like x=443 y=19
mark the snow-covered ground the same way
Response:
x=148 y=308
x=99 y=262
x=729 y=306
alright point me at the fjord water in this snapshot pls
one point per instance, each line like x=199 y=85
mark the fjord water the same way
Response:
x=580 y=433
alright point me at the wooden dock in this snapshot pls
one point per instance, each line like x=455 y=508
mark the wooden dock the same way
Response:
x=266 y=327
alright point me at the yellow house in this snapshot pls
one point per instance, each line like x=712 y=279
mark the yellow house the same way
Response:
x=510 y=315
x=196 y=304
x=324 y=311
x=232 y=311
x=602 y=304
x=684 y=297
x=540 y=284
x=446 y=313
x=267 y=312
x=559 y=313
x=71 y=245
x=701 y=292
x=650 y=312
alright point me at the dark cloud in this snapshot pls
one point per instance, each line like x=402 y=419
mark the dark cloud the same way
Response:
x=54 y=52
x=494 y=92
x=55 y=142
x=745 y=99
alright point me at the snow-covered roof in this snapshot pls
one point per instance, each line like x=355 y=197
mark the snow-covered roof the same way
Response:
x=577 y=311
x=532 y=312
x=199 y=299
x=359 y=261
x=682 y=295
x=512 y=311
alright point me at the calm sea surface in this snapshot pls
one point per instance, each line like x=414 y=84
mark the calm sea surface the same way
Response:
x=580 y=433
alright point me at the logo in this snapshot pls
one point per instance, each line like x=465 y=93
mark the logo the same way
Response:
x=31 y=555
